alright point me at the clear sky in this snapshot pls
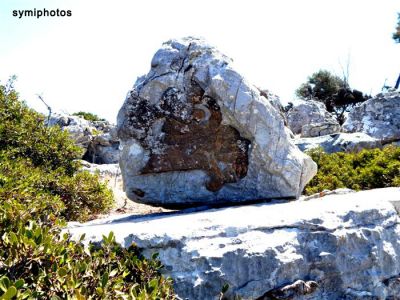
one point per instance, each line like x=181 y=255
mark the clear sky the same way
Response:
x=90 y=60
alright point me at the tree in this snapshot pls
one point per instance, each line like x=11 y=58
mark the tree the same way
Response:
x=396 y=35
x=333 y=91
x=321 y=86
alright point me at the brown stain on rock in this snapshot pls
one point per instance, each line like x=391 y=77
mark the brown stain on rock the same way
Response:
x=194 y=138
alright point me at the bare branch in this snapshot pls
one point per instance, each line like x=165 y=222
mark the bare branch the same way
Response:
x=47 y=106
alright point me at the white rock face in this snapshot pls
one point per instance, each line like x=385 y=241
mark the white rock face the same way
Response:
x=276 y=103
x=378 y=117
x=337 y=247
x=319 y=129
x=307 y=113
x=343 y=142
x=194 y=131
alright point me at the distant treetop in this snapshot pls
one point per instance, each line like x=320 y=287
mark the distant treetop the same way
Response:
x=333 y=91
x=396 y=35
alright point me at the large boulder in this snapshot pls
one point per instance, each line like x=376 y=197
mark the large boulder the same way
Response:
x=343 y=142
x=194 y=131
x=336 y=247
x=306 y=113
x=378 y=117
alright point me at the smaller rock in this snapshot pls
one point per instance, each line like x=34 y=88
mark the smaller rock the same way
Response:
x=103 y=170
x=288 y=292
x=341 y=142
x=308 y=112
x=98 y=139
x=378 y=117
x=79 y=129
x=319 y=129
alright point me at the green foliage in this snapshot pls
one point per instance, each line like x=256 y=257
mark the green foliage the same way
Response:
x=365 y=170
x=321 y=86
x=81 y=195
x=88 y=116
x=396 y=35
x=24 y=134
x=41 y=187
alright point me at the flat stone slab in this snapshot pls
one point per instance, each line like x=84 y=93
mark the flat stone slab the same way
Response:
x=339 y=142
x=336 y=247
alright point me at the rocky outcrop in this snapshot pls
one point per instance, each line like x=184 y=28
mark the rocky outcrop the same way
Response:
x=342 y=246
x=104 y=148
x=79 y=129
x=343 y=142
x=308 y=113
x=98 y=139
x=319 y=129
x=194 y=131
x=378 y=117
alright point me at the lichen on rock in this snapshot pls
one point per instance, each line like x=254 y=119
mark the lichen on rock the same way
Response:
x=194 y=131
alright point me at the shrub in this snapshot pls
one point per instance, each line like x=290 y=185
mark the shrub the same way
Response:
x=41 y=187
x=365 y=170
x=88 y=116
x=334 y=92
x=24 y=134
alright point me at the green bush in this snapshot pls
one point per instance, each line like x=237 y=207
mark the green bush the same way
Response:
x=364 y=170
x=88 y=116
x=24 y=134
x=41 y=187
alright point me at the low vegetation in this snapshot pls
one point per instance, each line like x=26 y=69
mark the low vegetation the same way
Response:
x=88 y=116
x=365 y=170
x=42 y=187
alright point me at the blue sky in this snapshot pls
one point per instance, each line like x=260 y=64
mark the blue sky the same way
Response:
x=90 y=60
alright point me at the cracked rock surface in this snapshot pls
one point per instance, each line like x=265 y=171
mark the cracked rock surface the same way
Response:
x=378 y=117
x=194 y=131
x=310 y=113
x=343 y=246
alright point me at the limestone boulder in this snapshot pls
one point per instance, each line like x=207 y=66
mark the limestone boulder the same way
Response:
x=306 y=113
x=343 y=246
x=194 y=131
x=342 y=142
x=378 y=117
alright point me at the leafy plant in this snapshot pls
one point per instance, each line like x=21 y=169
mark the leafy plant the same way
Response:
x=365 y=170
x=42 y=187
x=88 y=116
